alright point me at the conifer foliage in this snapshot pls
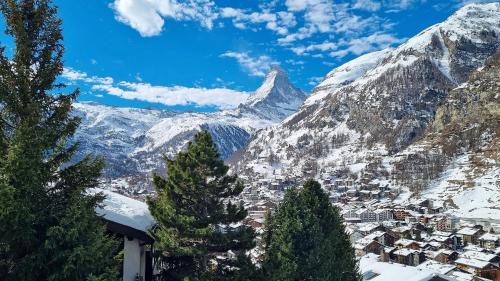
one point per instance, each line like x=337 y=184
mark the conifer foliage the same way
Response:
x=306 y=240
x=49 y=228
x=196 y=219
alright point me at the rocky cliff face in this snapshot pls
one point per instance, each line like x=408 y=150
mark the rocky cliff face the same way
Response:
x=132 y=141
x=367 y=111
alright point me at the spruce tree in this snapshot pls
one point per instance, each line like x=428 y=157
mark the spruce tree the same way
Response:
x=307 y=240
x=49 y=228
x=196 y=219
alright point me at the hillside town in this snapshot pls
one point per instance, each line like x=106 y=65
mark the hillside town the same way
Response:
x=420 y=235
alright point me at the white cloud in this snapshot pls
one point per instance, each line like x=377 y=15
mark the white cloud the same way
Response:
x=73 y=75
x=318 y=17
x=304 y=50
x=278 y=22
x=366 y=44
x=367 y=5
x=147 y=16
x=222 y=98
x=255 y=66
x=176 y=95
x=329 y=17
x=400 y=5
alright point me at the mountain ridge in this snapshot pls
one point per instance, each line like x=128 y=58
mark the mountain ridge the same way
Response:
x=368 y=110
x=132 y=141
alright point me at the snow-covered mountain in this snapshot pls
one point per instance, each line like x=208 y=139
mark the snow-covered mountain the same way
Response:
x=276 y=98
x=368 y=112
x=132 y=141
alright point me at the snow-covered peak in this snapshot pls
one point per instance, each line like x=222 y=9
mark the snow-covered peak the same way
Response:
x=471 y=20
x=275 y=82
x=474 y=23
x=468 y=22
x=276 y=98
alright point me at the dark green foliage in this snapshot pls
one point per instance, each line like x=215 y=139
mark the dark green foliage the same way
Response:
x=49 y=229
x=191 y=207
x=307 y=240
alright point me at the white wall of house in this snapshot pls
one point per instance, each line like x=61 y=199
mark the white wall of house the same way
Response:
x=134 y=259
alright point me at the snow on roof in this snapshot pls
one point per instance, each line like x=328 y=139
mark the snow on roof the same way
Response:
x=472 y=262
x=461 y=276
x=124 y=210
x=438 y=238
x=442 y=233
x=436 y=266
x=405 y=242
x=478 y=256
x=367 y=227
x=382 y=271
x=490 y=237
x=401 y=229
x=363 y=242
x=467 y=231
x=405 y=252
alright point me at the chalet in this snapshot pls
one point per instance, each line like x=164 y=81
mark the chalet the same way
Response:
x=445 y=256
x=383 y=238
x=444 y=223
x=482 y=256
x=400 y=214
x=489 y=241
x=445 y=238
x=402 y=231
x=367 y=245
x=480 y=268
x=368 y=228
x=431 y=246
x=130 y=220
x=470 y=235
x=407 y=243
x=408 y=256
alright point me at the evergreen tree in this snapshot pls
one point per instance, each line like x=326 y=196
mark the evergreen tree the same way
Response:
x=308 y=240
x=49 y=228
x=194 y=213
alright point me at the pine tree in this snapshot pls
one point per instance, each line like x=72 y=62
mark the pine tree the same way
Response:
x=194 y=212
x=308 y=240
x=49 y=228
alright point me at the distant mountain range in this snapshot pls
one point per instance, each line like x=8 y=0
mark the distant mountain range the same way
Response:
x=132 y=141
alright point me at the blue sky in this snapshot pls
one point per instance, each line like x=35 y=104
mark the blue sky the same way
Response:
x=205 y=55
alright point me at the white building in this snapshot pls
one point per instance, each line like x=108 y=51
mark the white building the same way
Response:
x=130 y=220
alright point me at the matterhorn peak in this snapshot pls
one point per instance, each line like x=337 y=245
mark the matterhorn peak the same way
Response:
x=275 y=84
x=277 y=97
